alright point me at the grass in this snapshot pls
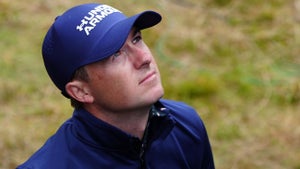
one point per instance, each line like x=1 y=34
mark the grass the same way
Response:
x=235 y=61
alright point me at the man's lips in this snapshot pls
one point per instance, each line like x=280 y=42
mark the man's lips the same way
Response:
x=147 y=77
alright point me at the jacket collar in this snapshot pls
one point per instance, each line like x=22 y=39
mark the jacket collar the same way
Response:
x=101 y=135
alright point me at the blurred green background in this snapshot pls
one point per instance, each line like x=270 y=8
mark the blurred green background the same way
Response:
x=235 y=61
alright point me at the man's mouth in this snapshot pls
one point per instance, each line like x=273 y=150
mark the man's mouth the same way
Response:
x=148 y=77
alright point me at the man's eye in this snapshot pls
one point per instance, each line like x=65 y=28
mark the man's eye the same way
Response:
x=117 y=54
x=136 y=39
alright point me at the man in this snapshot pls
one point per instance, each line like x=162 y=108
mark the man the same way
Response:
x=95 y=55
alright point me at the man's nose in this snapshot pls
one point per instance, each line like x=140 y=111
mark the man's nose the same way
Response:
x=140 y=57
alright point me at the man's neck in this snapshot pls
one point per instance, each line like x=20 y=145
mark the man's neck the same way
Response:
x=132 y=122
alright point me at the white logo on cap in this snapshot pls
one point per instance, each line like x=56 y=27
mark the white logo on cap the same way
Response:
x=89 y=22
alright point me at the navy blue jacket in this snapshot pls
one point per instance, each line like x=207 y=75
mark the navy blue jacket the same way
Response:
x=174 y=139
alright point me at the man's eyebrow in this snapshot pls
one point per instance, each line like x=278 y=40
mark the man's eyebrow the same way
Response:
x=136 y=30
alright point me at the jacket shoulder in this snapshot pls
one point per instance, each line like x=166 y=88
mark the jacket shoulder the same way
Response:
x=47 y=157
x=186 y=117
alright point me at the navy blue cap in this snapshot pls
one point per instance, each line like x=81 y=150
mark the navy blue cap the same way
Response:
x=85 y=34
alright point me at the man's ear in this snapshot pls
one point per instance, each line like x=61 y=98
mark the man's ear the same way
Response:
x=79 y=91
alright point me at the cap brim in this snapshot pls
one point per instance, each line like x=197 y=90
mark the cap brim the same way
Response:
x=117 y=35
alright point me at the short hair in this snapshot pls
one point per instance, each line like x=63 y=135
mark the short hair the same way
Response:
x=80 y=74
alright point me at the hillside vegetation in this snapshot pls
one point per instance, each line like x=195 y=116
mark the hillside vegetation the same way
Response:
x=237 y=62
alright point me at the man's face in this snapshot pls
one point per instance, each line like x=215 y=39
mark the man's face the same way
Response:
x=128 y=80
